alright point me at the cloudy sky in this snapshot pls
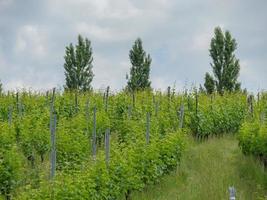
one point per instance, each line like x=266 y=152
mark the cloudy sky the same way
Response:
x=176 y=33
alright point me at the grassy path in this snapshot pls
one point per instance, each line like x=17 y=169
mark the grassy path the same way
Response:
x=207 y=170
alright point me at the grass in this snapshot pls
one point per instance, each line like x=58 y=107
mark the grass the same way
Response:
x=207 y=170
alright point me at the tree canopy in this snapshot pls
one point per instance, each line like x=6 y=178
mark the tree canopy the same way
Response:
x=140 y=70
x=224 y=64
x=78 y=65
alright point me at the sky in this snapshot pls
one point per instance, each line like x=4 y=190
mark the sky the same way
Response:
x=177 y=34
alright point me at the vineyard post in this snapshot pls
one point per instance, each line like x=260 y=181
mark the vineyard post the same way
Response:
x=196 y=103
x=262 y=117
x=250 y=104
x=107 y=145
x=46 y=95
x=129 y=112
x=87 y=117
x=94 y=133
x=188 y=103
x=53 y=147
x=10 y=115
x=106 y=99
x=181 y=116
x=133 y=99
x=169 y=92
x=76 y=101
x=17 y=101
x=197 y=113
x=157 y=108
x=147 y=127
x=169 y=96
x=20 y=109
x=153 y=99
x=211 y=101
x=52 y=108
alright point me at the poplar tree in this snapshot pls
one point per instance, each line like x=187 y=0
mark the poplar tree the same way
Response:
x=224 y=64
x=1 y=87
x=140 y=70
x=78 y=65
x=209 y=83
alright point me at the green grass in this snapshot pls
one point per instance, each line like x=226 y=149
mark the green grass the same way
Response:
x=207 y=170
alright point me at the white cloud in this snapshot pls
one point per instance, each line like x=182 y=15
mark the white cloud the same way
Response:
x=102 y=33
x=201 y=42
x=5 y=3
x=30 y=40
x=107 y=74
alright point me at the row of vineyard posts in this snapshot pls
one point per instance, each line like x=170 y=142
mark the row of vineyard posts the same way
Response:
x=53 y=122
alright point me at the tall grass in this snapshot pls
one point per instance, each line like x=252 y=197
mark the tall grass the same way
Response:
x=207 y=170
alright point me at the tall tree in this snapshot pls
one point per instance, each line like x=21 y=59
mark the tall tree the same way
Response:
x=225 y=65
x=1 y=87
x=209 y=83
x=78 y=65
x=139 y=72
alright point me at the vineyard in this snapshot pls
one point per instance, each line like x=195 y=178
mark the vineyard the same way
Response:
x=101 y=145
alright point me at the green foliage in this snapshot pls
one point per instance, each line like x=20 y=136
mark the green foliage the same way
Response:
x=1 y=87
x=140 y=70
x=133 y=164
x=219 y=115
x=224 y=63
x=10 y=171
x=78 y=65
x=130 y=169
x=253 y=134
x=209 y=83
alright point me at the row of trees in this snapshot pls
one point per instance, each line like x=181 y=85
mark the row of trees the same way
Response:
x=78 y=66
x=225 y=66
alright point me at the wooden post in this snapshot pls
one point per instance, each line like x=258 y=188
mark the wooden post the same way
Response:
x=147 y=127
x=107 y=146
x=169 y=92
x=196 y=103
x=52 y=108
x=197 y=112
x=106 y=99
x=46 y=95
x=133 y=99
x=181 y=116
x=169 y=96
x=262 y=117
x=188 y=103
x=211 y=101
x=10 y=115
x=20 y=109
x=17 y=101
x=157 y=108
x=94 y=133
x=250 y=104
x=129 y=112
x=53 y=147
x=87 y=115
x=76 y=101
